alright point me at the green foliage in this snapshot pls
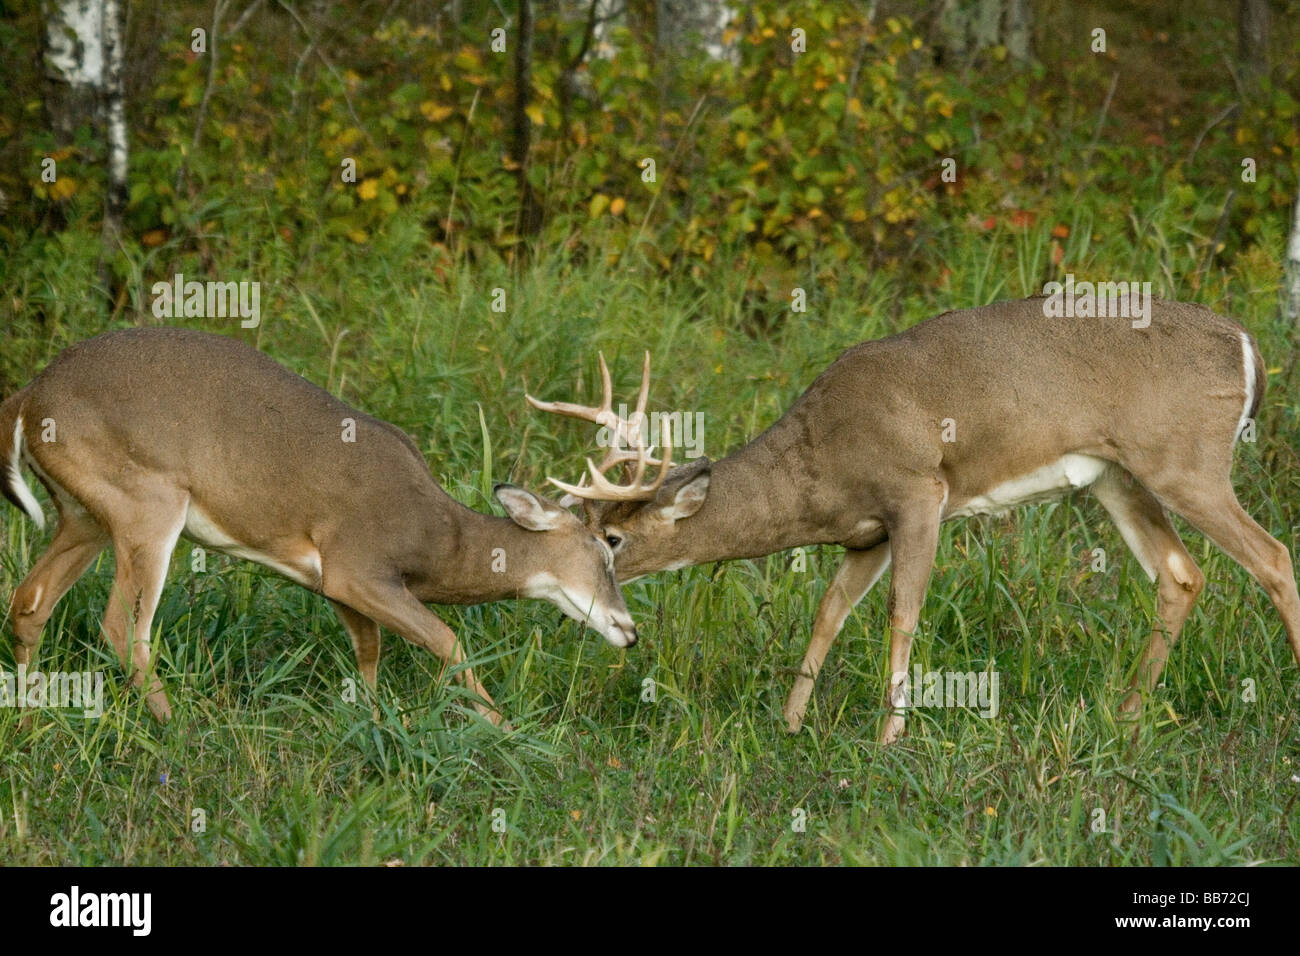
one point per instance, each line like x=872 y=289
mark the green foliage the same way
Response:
x=287 y=773
x=769 y=176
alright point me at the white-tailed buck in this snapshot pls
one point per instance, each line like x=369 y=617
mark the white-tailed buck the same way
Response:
x=144 y=435
x=971 y=412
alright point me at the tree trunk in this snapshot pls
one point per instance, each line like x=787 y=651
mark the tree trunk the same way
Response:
x=530 y=212
x=967 y=27
x=83 y=67
x=74 y=64
x=1252 y=38
x=115 y=122
x=1293 y=267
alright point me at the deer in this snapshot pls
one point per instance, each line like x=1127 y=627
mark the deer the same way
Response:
x=142 y=436
x=972 y=412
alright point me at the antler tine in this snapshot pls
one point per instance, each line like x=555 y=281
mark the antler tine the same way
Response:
x=602 y=489
x=606 y=386
x=622 y=430
x=666 y=462
x=604 y=415
x=645 y=387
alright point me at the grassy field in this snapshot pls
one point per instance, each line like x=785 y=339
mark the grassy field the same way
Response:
x=285 y=771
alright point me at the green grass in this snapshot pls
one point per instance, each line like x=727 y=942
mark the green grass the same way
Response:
x=286 y=771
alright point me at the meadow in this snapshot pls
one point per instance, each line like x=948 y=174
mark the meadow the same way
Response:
x=284 y=770
x=673 y=752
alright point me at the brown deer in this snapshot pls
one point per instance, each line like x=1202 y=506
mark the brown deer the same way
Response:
x=971 y=412
x=142 y=436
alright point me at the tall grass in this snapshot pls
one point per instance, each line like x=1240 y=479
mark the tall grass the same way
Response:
x=282 y=769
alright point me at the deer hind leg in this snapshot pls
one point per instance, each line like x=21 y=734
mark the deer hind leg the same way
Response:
x=856 y=576
x=1146 y=529
x=394 y=607
x=1211 y=506
x=365 y=641
x=77 y=541
x=143 y=547
x=914 y=540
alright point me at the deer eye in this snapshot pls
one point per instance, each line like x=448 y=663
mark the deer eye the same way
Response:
x=613 y=540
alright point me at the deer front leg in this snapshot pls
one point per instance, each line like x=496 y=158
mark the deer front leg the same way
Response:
x=386 y=602
x=856 y=576
x=913 y=539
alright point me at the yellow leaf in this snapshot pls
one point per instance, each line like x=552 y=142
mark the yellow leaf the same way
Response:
x=599 y=203
x=62 y=188
x=617 y=206
x=359 y=236
x=434 y=112
x=534 y=111
x=368 y=189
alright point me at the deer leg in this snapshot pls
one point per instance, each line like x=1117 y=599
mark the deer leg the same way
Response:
x=913 y=541
x=856 y=576
x=77 y=541
x=1145 y=527
x=1216 y=512
x=365 y=641
x=143 y=548
x=393 y=606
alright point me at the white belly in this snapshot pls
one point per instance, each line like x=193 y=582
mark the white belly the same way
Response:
x=1051 y=481
x=305 y=570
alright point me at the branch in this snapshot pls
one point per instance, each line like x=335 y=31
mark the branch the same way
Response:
x=343 y=86
x=244 y=17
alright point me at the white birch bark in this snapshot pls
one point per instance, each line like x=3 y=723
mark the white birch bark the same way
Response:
x=1293 y=267
x=115 y=122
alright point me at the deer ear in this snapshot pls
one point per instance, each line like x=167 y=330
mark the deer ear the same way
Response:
x=527 y=510
x=684 y=490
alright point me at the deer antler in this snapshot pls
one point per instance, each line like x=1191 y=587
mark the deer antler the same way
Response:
x=627 y=444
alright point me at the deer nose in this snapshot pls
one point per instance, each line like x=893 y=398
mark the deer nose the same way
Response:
x=630 y=635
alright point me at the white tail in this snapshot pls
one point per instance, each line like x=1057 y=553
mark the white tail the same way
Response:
x=146 y=435
x=975 y=412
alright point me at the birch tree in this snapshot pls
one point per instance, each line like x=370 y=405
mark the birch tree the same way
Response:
x=83 y=59
x=1293 y=267
x=968 y=26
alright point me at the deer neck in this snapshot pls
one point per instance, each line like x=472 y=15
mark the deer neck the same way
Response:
x=756 y=506
x=474 y=558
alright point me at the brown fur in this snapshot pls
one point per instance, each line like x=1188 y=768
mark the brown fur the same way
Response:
x=859 y=460
x=152 y=424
